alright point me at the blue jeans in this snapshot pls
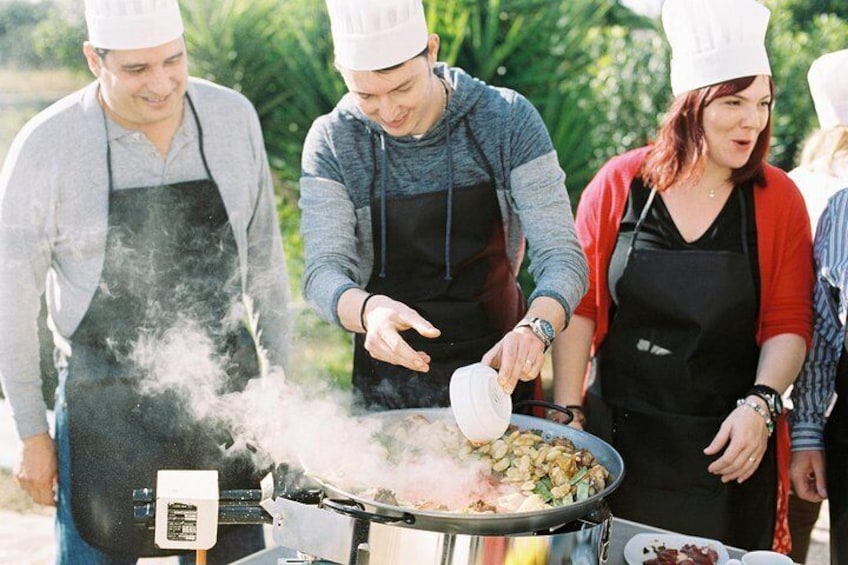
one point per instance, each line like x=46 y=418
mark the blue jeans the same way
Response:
x=71 y=549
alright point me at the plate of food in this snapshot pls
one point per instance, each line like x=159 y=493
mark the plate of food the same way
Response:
x=674 y=549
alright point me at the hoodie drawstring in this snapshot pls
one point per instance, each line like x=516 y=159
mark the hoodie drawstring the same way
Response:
x=449 y=219
x=384 y=175
x=383 y=180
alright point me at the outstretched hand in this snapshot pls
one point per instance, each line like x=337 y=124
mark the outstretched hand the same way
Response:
x=384 y=320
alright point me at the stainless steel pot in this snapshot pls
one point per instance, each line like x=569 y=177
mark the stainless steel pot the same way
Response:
x=328 y=538
x=483 y=524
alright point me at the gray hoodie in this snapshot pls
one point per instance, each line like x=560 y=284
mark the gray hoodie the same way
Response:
x=486 y=133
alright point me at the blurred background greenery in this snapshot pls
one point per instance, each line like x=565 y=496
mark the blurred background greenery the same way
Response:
x=597 y=72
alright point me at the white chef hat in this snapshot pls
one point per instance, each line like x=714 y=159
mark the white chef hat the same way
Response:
x=714 y=41
x=132 y=24
x=370 y=35
x=828 y=78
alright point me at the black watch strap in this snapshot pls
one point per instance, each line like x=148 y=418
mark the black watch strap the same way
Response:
x=771 y=397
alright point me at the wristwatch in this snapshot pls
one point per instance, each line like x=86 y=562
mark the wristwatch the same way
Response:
x=541 y=328
x=771 y=397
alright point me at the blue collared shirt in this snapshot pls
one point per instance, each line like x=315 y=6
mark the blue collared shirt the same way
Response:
x=814 y=388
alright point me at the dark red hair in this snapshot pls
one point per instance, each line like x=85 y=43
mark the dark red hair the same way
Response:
x=680 y=150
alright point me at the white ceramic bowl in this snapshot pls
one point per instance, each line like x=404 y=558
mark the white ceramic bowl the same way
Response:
x=482 y=408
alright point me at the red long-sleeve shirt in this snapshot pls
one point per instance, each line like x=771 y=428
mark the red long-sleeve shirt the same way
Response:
x=784 y=247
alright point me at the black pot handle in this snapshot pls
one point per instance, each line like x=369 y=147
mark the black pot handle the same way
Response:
x=354 y=509
x=545 y=404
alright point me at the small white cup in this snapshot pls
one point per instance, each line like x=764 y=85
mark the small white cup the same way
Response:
x=762 y=558
x=480 y=405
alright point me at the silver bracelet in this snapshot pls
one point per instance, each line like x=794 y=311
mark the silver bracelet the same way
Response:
x=759 y=410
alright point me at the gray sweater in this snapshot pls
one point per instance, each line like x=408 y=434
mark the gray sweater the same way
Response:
x=492 y=134
x=53 y=213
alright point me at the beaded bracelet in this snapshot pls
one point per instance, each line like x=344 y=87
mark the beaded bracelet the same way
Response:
x=362 y=311
x=759 y=410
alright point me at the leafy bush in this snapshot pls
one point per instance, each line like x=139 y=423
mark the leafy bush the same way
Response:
x=540 y=48
x=279 y=54
x=17 y=21
x=57 y=39
x=597 y=73
x=792 y=48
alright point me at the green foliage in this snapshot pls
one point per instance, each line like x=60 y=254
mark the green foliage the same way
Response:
x=630 y=88
x=803 y=12
x=792 y=48
x=279 y=54
x=41 y=35
x=541 y=48
x=57 y=39
x=597 y=73
x=19 y=14
x=17 y=20
x=276 y=52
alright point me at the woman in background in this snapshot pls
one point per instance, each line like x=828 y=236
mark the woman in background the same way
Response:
x=699 y=309
x=819 y=440
x=824 y=159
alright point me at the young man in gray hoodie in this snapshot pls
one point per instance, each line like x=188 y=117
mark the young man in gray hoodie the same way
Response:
x=418 y=192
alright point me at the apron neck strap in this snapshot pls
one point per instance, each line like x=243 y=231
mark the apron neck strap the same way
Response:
x=199 y=140
x=644 y=214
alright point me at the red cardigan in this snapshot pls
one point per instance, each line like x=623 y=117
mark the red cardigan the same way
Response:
x=784 y=247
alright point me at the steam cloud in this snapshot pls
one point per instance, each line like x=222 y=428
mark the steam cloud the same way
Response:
x=307 y=426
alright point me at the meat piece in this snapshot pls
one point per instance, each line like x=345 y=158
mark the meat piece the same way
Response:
x=480 y=506
x=383 y=496
x=689 y=554
x=431 y=506
x=665 y=556
x=700 y=555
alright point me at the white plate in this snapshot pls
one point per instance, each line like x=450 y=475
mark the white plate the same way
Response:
x=635 y=550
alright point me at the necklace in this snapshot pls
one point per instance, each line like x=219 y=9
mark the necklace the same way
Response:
x=712 y=191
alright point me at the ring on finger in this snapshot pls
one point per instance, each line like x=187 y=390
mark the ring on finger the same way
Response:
x=752 y=459
x=528 y=361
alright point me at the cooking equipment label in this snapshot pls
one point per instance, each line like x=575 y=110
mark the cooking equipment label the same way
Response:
x=182 y=522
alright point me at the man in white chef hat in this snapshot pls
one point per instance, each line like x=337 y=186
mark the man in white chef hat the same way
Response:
x=417 y=193
x=142 y=205
x=820 y=426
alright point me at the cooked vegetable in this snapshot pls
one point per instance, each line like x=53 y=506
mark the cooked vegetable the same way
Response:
x=520 y=472
x=555 y=470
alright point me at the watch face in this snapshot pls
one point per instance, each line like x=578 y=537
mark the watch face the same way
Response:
x=546 y=328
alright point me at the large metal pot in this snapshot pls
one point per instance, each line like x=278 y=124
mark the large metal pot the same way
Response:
x=483 y=524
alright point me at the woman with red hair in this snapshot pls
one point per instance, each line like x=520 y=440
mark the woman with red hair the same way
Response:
x=698 y=314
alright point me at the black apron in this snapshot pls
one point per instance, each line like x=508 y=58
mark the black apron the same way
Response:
x=474 y=307
x=680 y=351
x=170 y=257
x=836 y=458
